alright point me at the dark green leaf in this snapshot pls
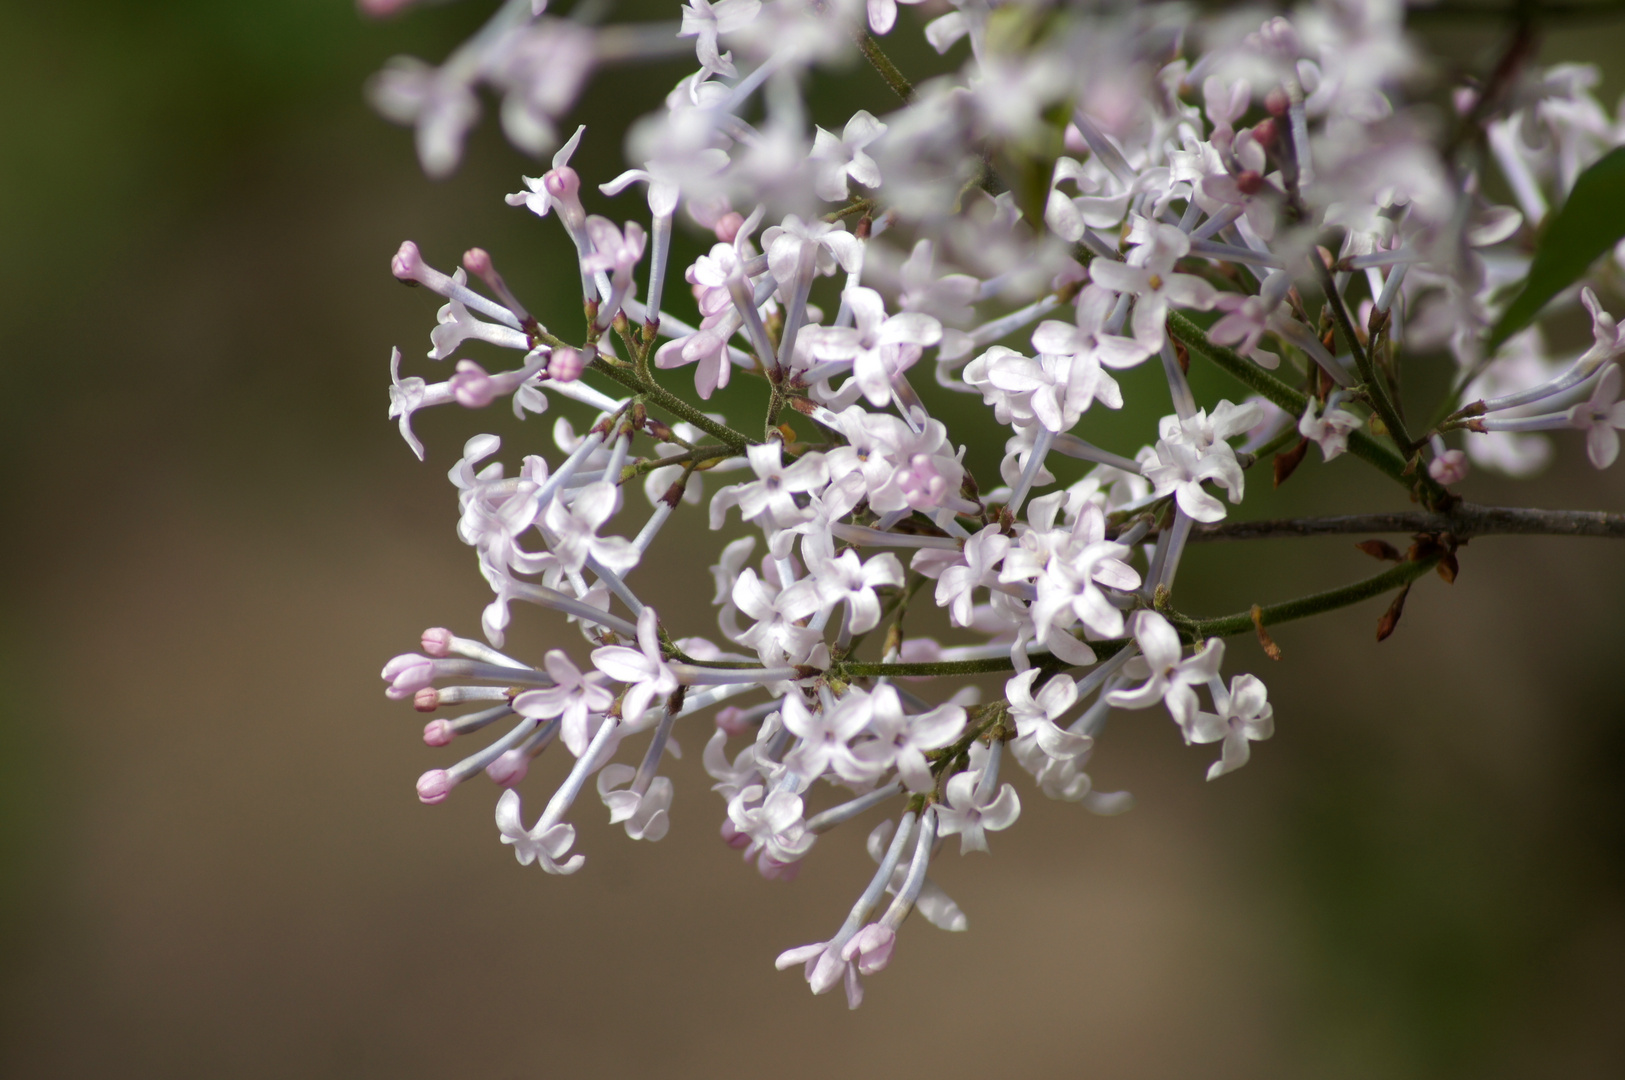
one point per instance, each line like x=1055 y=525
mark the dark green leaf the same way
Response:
x=1590 y=223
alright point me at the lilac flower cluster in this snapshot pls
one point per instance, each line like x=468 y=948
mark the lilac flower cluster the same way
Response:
x=1048 y=214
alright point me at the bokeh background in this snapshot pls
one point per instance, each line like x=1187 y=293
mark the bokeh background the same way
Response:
x=212 y=861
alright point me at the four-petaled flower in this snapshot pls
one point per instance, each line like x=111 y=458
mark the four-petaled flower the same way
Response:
x=1149 y=277
x=1168 y=678
x=973 y=815
x=543 y=846
x=643 y=668
x=1243 y=715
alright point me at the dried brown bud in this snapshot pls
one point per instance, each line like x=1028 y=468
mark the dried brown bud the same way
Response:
x=1288 y=461
x=1390 y=618
x=1381 y=549
x=1271 y=650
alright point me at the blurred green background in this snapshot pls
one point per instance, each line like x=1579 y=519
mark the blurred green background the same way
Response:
x=212 y=861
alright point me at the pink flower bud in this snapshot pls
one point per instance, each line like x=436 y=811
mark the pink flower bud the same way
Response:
x=426 y=700
x=509 y=769
x=434 y=786
x=437 y=641
x=477 y=262
x=438 y=732
x=562 y=183
x=381 y=9
x=566 y=365
x=733 y=837
x=407 y=674
x=774 y=870
x=922 y=484
x=1449 y=467
x=871 y=947
x=728 y=226
x=471 y=386
x=731 y=720
x=407 y=262
x=1276 y=102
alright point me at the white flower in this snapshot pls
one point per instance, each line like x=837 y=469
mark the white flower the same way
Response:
x=705 y=21
x=769 y=500
x=772 y=822
x=1035 y=716
x=825 y=736
x=845 y=580
x=646 y=813
x=1168 y=678
x=972 y=818
x=573 y=696
x=1599 y=417
x=838 y=158
x=1069 y=586
x=1057 y=387
x=901 y=740
x=1329 y=431
x=879 y=346
x=957 y=585
x=574 y=529
x=1243 y=715
x=542 y=846
x=778 y=635
x=1088 y=336
x=644 y=668
x=1149 y=276
x=1193 y=450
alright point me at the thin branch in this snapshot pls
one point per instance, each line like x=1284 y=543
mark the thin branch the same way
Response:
x=882 y=63
x=665 y=399
x=1456 y=13
x=1246 y=622
x=1464 y=520
x=1375 y=388
x=1361 y=443
x=697 y=454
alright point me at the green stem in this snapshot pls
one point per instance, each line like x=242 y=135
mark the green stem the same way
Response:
x=1377 y=389
x=1199 y=629
x=882 y=63
x=696 y=455
x=1361 y=444
x=659 y=395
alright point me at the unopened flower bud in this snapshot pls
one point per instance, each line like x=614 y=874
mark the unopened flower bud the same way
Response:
x=509 y=769
x=562 y=183
x=426 y=700
x=1276 y=102
x=407 y=674
x=566 y=365
x=438 y=733
x=728 y=226
x=733 y=721
x=434 y=786
x=472 y=386
x=1250 y=182
x=1449 y=467
x=437 y=641
x=733 y=837
x=407 y=262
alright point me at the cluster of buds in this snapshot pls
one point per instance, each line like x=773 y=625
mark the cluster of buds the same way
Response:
x=1262 y=197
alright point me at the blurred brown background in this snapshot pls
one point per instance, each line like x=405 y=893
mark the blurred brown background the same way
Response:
x=212 y=861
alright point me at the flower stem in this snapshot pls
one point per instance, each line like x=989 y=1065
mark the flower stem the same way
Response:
x=665 y=399
x=1224 y=626
x=882 y=63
